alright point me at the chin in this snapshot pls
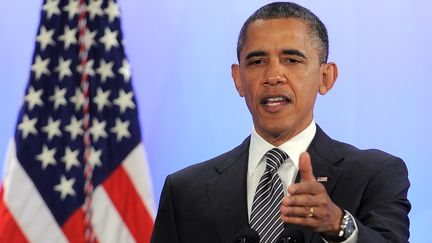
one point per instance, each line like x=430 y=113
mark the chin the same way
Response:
x=276 y=130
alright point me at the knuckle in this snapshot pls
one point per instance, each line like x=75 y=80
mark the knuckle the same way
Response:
x=322 y=202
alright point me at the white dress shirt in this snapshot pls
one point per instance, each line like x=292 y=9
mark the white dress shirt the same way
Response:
x=287 y=171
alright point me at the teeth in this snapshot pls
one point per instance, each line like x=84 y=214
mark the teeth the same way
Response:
x=275 y=99
x=272 y=104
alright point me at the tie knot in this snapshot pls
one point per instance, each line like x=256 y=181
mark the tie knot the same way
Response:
x=275 y=157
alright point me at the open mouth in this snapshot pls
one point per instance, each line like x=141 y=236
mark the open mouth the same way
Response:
x=275 y=101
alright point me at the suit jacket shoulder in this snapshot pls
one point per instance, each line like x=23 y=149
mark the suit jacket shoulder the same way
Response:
x=207 y=170
x=205 y=202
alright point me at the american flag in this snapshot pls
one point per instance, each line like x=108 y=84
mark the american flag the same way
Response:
x=78 y=121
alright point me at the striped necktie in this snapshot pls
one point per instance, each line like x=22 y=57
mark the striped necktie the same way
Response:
x=265 y=214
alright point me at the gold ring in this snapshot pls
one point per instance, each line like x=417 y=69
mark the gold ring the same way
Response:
x=311 y=212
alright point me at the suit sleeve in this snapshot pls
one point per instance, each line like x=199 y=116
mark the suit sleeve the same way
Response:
x=165 y=228
x=383 y=216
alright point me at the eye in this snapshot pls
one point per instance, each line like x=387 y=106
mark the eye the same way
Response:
x=292 y=60
x=255 y=62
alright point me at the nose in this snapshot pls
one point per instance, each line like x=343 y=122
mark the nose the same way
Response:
x=274 y=74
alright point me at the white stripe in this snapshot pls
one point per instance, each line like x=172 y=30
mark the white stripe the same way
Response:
x=272 y=220
x=259 y=197
x=137 y=168
x=267 y=200
x=257 y=211
x=272 y=226
x=107 y=223
x=264 y=216
x=26 y=205
x=275 y=232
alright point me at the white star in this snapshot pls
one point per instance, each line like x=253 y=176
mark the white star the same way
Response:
x=52 y=128
x=27 y=126
x=72 y=8
x=77 y=99
x=125 y=70
x=102 y=99
x=47 y=157
x=51 y=7
x=70 y=158
x=121 y=129
x=65 y=187
x=58 y=97
x=112 y=11
x=68 y=37
x=97 y=130
x=40 y=67
x=109 y=39
x=94 y=8
x=124 y=101
x=74 y=128
x=88 y=68
x=45 y=38
x=105 y=70
x=89 y=38
x=94 y=158
x=33 y=98
x=63 y=68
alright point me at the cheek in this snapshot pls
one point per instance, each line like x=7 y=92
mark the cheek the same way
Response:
x=249 y=87
x=251 y=96
x=306 y=89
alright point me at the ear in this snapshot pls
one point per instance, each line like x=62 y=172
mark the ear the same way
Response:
x=329 y=76
x=235 y=74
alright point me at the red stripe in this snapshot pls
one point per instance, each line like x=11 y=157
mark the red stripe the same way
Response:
x=73 y=228
x=9 y=229
x=129 y=205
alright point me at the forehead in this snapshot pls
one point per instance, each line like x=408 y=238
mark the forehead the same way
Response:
x=285 y=33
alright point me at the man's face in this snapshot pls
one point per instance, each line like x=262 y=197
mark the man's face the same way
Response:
x=280 y=75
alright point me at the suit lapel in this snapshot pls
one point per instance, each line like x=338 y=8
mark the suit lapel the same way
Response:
x=324 y=156
x=227 y=193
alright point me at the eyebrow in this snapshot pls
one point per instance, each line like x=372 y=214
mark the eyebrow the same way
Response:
x=285 y=52
x=255 y=54
x=293 y=52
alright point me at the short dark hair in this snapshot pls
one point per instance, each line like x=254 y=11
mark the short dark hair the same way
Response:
x=279 y=10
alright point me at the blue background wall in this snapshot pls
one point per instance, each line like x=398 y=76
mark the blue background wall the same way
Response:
x=181 y=52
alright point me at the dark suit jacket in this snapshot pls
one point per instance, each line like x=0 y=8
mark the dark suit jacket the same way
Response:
x=206 y=202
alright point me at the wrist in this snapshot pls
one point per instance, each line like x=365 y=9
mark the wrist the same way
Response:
x=345 y=229
x=336 y=224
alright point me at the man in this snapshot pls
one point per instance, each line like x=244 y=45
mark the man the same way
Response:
x=334 y=192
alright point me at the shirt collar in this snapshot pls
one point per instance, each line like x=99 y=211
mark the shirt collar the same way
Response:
x=293 y=147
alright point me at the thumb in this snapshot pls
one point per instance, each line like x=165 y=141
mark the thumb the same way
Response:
x=305 y=167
